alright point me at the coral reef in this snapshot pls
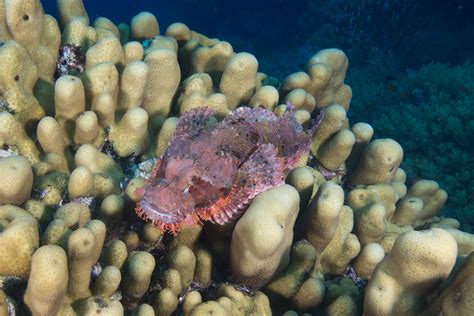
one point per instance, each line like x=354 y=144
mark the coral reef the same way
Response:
x=340 y=232
x=411 y=103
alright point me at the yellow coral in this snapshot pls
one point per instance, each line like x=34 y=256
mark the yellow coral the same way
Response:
x=17 y=179
x=18 y=76
x=19 y=238
x=418 y=262
x=254 y=257
x=48 y=281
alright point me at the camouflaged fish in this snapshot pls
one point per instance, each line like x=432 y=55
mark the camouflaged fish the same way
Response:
x=213 y=172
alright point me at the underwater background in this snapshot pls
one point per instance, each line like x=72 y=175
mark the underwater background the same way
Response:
x=410 y=67
x=236 y=158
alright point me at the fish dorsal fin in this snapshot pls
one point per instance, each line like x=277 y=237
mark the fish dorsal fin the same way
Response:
x=192 y=122
x=247 y=114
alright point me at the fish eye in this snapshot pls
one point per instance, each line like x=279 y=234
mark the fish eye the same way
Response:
x=194 y=179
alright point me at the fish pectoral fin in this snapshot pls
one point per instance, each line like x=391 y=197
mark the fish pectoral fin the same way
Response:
x=260 y=172
x=263 y=168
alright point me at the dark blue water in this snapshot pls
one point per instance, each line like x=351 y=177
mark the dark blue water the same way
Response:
x=274 y=30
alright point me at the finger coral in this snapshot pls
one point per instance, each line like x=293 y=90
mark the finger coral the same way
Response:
x=259 y=197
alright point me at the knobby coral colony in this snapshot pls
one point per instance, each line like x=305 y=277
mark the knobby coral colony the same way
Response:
x=318 y=215
x=213 y=173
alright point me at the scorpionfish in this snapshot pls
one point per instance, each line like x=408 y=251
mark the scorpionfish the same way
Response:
x=213 y=171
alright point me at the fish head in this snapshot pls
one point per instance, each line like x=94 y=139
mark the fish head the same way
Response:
x=174 y=200
x=165 y=202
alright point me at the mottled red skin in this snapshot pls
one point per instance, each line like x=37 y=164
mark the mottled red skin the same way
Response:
x=213 y=172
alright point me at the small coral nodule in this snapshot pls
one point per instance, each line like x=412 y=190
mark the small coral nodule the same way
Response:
x=213 y=172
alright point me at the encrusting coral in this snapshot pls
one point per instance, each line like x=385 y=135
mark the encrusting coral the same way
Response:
x=303 y=210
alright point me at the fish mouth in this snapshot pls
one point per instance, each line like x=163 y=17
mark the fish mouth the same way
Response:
x=157 y=214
